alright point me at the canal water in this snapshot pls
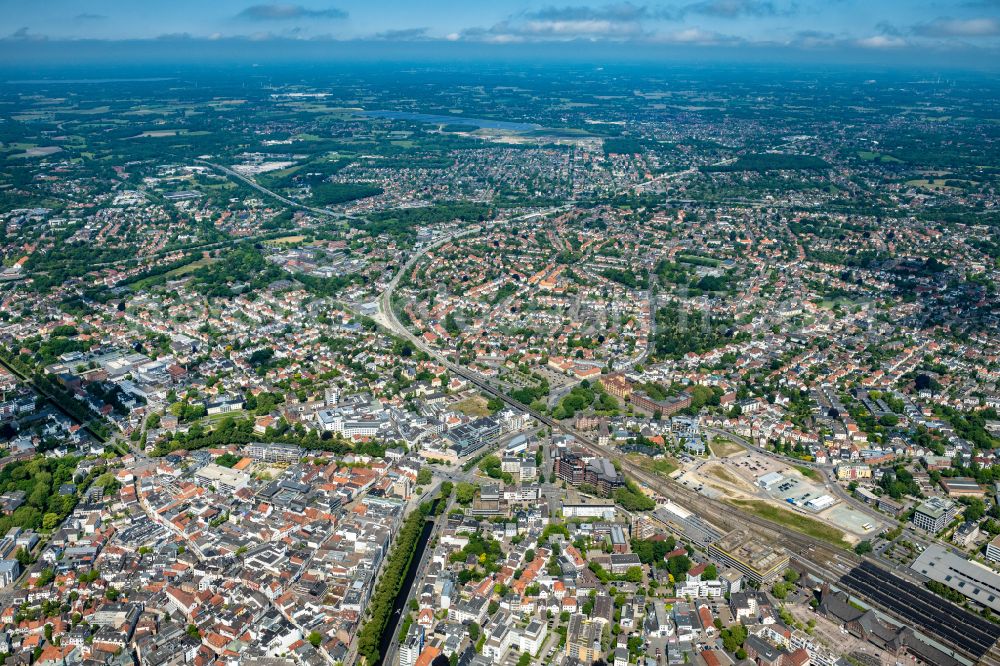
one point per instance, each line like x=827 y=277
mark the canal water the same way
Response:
x=392 y=627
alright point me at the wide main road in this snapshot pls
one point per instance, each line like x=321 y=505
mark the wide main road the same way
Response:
x=387 y=317
x=724 y=513
x=271 y=193
x=831 y=560
x=826 y=560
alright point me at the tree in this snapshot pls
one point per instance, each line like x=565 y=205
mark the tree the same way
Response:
x=711 y=572
x=473 y=631
x=632 y=498
x=524 y=660
x=465 y=493
x=733 y=637
x=315 y=638
x=974 y=509
x=23 y=557
x=634 y=574
x=863 y=547
x=889 y=420
x=678 y=564
x=227 y=460
x=923 y=381
x=652 y=552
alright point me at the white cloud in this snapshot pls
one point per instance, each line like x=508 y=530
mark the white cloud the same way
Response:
x=606 y=22
x=881 y=42
x=280 y=12
x=692 y=35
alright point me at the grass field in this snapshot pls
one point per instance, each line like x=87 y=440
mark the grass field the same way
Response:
x=870 y=156
x=830 y=303
x=697 y=260
x=799 y=523
x=809 y=472
x=190 y=268
x=723 y=448
x=664 y=466
x=169 y=275
x=475 y=406
x=932 y=183
x=39 y=151
x=273 y=178
x=287 y=239
x=724 y=476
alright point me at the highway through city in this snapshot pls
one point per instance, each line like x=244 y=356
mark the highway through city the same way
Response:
x=678 y=174
x=816 y=556
x=271 y=193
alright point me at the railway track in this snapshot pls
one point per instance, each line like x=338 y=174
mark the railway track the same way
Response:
x=724 y=516
x=54 y=402
x=919 y=606
x=826 y=561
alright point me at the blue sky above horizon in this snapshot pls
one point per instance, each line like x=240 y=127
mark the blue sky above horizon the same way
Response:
x=969 y=28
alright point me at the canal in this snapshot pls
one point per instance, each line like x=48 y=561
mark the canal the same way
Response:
x=392 y=627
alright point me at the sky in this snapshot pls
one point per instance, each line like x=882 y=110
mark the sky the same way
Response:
x=950 y=31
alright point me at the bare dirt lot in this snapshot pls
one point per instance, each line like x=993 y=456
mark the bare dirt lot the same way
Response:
x=723 y=448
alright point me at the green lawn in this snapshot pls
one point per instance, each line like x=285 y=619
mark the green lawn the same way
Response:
x=145 y=283
x=474 y=406
x=869 y=156
x=809 y=472
x=724 y=476
x=664 y=466
x=799 y=523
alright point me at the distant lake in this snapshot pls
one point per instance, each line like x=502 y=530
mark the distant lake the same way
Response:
x=42 y=81
x=453 y=120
